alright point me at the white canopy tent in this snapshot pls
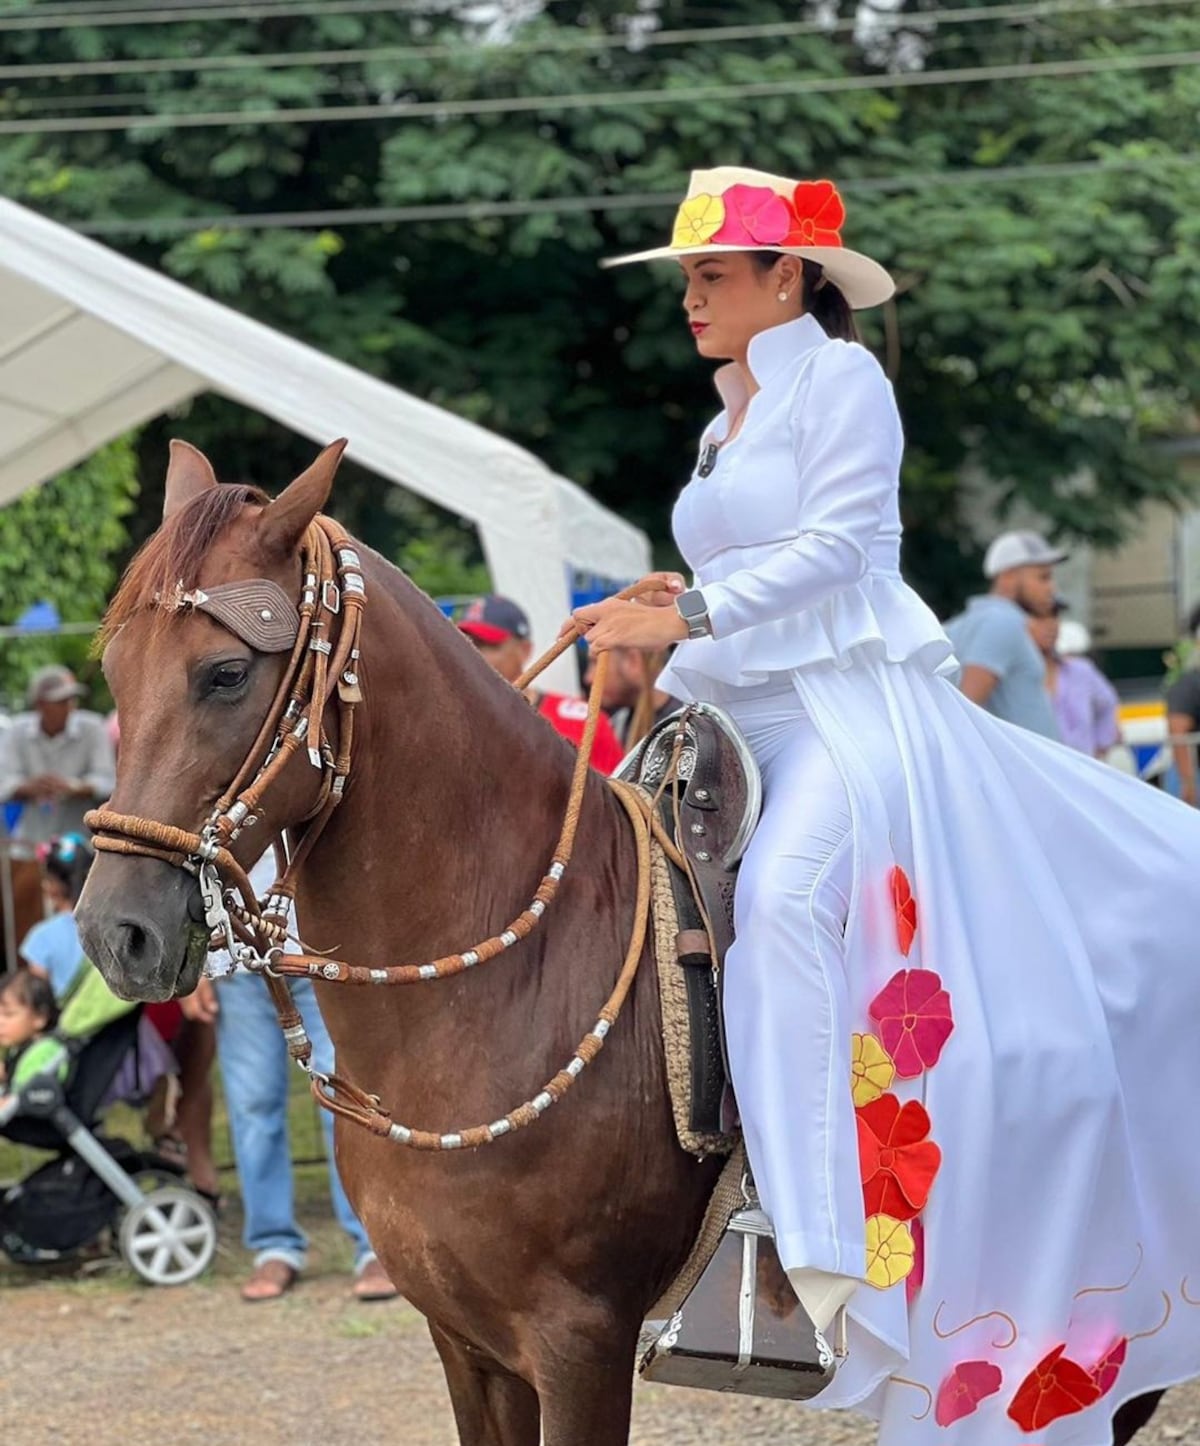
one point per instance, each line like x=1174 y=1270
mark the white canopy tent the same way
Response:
x=92 y=344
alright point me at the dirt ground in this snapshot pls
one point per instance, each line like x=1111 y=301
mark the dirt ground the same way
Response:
x=103 y=1361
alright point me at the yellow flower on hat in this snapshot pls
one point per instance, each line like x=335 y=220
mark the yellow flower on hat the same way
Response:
x=871 y=1069
x=698 y=220
x=891 y=1251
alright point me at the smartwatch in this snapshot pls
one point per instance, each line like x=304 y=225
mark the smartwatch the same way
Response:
x=694 y=611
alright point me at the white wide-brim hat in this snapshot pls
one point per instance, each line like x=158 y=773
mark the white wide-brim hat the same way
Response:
x=730 y=208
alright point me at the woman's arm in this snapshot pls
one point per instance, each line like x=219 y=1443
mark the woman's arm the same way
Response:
x=847 y=457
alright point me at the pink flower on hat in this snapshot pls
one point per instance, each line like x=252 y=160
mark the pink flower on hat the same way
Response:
x=819 y=215
x=754 y=216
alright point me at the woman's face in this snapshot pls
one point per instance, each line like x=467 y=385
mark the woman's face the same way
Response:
x=729 y=299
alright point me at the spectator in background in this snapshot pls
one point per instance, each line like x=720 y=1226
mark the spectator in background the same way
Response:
x=1084 y=701
x=501 y=632
x=255 y=1074
x=56 y=760
x=631 y=699
x=1002 y=669
x=179 y=1117
x=1183 y=714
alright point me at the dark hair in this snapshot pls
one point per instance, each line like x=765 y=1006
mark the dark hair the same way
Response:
x=819 y=296
x=67 y=860
x=31 y=990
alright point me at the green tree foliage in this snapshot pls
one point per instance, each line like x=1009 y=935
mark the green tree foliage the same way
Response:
x=60 y=544
x=1045 y=335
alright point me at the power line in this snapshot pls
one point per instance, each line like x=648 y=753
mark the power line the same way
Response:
x=567 y=42
x=70 y=19
x=567 y=205
x=626 y=99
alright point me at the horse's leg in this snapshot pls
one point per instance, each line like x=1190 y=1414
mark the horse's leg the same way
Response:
x=585 y=1381
x=1133 y=1415
x=492 y=1407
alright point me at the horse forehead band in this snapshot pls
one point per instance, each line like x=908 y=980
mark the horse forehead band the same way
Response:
x=258 y=611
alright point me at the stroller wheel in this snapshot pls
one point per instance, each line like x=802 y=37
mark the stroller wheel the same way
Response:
x=170 y=1237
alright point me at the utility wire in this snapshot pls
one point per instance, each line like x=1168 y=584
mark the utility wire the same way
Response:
x=566 y=205
x=703 y=35
x=624 y=99
x=73 y=17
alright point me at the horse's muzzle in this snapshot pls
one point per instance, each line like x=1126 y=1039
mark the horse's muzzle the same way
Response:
x=138 y=923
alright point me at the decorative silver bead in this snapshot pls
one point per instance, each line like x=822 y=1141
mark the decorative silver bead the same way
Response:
x=470 y=958
x=379 y=976
x=508 y=938
x=542 y=1102
x=576 y=1067
x=703 y=855
x=331 y=971
x=400 y=1133
x=428 y=971
x=537 y=907
x=498 y=1128
x=557 y=870
x=266 y=614
x=450 y=1142
x=602 y=1028
x=702 y=794
x=698 y=829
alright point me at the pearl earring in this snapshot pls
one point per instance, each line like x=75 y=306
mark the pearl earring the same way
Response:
x=783 y=296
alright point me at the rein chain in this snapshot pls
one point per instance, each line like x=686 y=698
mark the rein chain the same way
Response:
x=254 y=933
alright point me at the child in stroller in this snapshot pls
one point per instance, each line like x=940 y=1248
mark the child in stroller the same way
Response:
x=59 y=1072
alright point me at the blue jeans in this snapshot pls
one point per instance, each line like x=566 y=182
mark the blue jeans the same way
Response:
x=255 y=1073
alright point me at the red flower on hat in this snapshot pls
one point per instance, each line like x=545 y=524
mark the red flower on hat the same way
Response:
x=1057 y=1386
x=754 y=216
x=906 y=909
x=912 y=1012
x=961 y=1392
x=819 y=214
x=899 y=1162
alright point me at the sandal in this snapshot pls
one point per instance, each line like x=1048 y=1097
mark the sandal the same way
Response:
x=269 y=1281
x=372 y=1283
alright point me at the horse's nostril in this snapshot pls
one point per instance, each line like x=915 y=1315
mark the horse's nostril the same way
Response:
x=133 y=940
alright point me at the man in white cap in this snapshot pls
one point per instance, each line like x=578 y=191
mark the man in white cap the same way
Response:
x=1002 y=669
x=56 y=760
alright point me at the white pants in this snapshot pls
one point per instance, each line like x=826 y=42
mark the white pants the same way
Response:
x=786 y=1009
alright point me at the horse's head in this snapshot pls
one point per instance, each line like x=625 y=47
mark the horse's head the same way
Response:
x=192 y=696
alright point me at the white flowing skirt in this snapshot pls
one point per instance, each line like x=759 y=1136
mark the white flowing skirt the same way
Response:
x=1039 y=1032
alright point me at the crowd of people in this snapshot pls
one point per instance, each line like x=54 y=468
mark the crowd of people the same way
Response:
x=1021 y=659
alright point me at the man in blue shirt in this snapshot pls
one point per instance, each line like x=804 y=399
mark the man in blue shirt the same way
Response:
x=1002 y=669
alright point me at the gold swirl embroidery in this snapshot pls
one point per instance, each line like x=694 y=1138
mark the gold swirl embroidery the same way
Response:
x=1113 y=1289
x=917 y=1386
x=975 y=1320
x=1162 y=1325
x=1184 y=1294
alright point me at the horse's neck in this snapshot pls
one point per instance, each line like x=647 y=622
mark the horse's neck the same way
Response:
x=455 y=798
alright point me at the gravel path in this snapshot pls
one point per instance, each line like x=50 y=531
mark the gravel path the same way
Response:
x=105 y=1363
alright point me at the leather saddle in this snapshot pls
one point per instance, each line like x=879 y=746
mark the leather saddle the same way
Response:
x=711 y=795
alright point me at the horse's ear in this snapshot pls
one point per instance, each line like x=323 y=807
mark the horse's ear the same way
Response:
x=285 y=521
x=189 y=472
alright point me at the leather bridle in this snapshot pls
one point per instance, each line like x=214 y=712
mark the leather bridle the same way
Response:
x=324 y=632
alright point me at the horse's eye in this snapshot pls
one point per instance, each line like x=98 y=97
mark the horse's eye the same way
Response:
x=226 y=677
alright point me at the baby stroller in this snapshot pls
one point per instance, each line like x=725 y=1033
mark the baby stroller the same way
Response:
x=163 y=1230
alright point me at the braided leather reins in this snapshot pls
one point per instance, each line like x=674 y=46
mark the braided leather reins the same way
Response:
x=334 y=599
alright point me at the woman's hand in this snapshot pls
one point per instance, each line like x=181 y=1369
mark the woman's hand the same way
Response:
x=670 y=585
x=616 y=623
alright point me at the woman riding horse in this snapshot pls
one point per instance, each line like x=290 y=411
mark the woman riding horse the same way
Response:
x=960 y=999
x=963 y=1056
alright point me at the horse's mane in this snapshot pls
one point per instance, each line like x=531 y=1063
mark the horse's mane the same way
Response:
x=175 y=553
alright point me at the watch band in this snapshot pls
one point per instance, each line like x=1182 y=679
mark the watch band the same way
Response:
x=693 y=609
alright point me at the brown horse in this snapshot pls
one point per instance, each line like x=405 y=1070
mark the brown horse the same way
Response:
x=26 y=876
x=536 y=1258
